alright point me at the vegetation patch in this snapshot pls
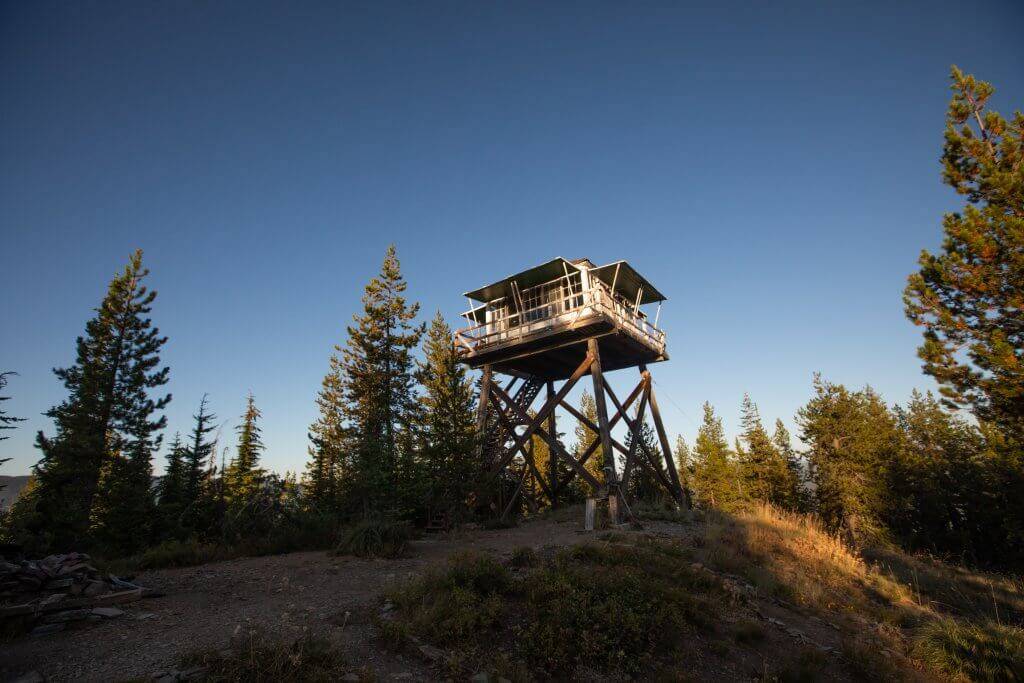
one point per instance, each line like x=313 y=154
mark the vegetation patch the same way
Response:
x=976 y=651
x=254 y=656
x=376 y=538
x=601 y=607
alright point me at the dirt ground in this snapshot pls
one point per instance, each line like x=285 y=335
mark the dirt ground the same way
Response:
x=331 y=596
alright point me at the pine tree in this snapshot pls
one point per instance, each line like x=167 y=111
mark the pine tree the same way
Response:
x=766 y=472
x=684 y=461
x=107 y=423
x=449 y=427
x=329 y=442
x=171 y=490
x=644 y=484
x=715 y=475
x=969 y=298
x=6 y=421
x=797 y=495
x=584 y=437
x=853 y=438
x=244 y=477
x=196 y=470
x=377 y=381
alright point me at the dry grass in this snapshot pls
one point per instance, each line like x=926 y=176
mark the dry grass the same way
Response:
x=253 y=656
x=901 y=615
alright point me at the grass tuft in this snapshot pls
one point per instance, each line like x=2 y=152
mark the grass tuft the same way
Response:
x=376 y=538
x=976 y=651
x=255 y=657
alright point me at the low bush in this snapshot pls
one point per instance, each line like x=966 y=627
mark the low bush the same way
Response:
x=604 y=607
x=376 y=538
x=253 y=656
x=524 y=556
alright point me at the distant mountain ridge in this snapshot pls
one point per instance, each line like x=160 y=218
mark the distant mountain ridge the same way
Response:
x=10 y=487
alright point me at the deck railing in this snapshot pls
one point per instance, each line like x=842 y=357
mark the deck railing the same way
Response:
x=561 y=303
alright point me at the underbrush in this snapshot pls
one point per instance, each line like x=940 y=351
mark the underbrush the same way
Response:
x=376 y=538
x=253 y=656
x=603 y=607
x=898 y=612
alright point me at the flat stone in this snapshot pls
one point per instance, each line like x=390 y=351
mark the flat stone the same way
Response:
x=46 y=629
x=107 y=612
x=66 y=615
x=94 y=588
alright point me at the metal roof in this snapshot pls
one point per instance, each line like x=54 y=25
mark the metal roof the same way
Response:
x=538 y=275
x=628 y=283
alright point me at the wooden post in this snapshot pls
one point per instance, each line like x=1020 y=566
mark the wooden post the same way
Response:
x=602 y=423
x=552 y=458
x=602 y=410
x=681 y=495
x=588 y=515
x=481 y=411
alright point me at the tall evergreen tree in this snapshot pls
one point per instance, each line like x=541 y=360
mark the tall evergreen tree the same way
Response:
x=377 y=381
x=715 y=475
x=171 y=490
x=969 y=298
x=784 y=444
x=584 y=437
x=243 y=476
x=853 y=439
x=643 y=483
x=766 y=473
x=196 y=468
x=6 y=421
x=329 y=447
x=108 y=421
x=449 y=427
x=684 y=461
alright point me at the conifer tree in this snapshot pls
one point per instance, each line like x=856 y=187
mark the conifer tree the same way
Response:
x=853 y=438
x=684 y=461
x=171 y=489
x=196 y=468
x=376 y=375
x=6 y=421
x=244 y=477
x=715 y=475
x=108 y=420
x=765 y=471
x=329 y=447
x=584 y=437
x=449 y=427
x=643 y=483
x=969 y=298
x=797 y=497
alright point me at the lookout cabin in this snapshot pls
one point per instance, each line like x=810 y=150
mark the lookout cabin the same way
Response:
x=536 y=323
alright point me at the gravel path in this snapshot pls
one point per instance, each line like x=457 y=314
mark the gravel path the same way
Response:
x=332 y=596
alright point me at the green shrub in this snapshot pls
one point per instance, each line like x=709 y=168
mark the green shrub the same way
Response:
x=524 y=556
x=376 y=538
x=979 y=652
x=255 y=657
x=458 y=602
x=609 y=608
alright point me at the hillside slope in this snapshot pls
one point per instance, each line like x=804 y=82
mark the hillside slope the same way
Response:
x=760 y=595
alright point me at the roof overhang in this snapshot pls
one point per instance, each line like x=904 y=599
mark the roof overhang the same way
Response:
x=628 y=282
x=538 y=275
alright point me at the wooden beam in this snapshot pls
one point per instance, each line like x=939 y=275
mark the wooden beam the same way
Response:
x=627 y=469
x=558 y=449
x=534 y=424
x=527 y=452
x=679 y=493
x=552 y=472
x=602 y=411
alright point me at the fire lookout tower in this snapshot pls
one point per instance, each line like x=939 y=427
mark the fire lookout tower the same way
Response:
x=555 y=323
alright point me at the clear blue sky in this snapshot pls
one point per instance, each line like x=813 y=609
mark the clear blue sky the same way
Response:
x=772 y=167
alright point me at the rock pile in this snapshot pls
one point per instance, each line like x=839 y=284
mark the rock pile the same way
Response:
x=50 y=594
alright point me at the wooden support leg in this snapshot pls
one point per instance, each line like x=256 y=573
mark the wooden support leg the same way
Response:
x=552 y=472
x=602 y=423
x=680 y=493
x=481 y=412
